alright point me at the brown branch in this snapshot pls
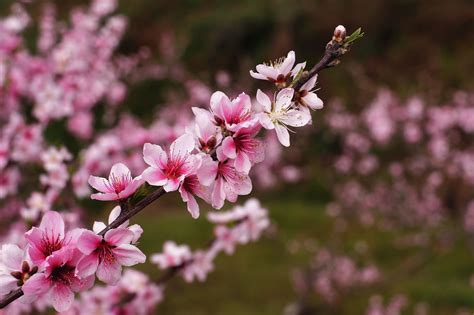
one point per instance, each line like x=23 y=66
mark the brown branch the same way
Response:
x=329 y=59
x=10 y=297
x=129 y=213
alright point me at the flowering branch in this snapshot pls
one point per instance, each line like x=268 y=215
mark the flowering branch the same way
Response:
x=129 y=213
x=338 y=46
x=224 y=139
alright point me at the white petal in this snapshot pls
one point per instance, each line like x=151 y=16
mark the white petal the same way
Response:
x=283 y=135
x=264 y=100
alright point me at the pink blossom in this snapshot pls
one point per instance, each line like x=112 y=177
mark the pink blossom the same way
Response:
x=56 y=178
x=15 y=268
x=4 y=154
x=169 y=170
x=207 y=133
x=230 y=114
x=278 y=71
x=9 y=179
x=172 y=256
x=59 y=280
x=81 y=125
x=106 y=255
x=114 y=214
x=198 y=268
x=280 y=114
x=190 y=187
x=53 y=158
x=244 y=148
x=307 y=97
x=142 y=296
x=120 y=184
x=225 y=239
x=228 y=182
x=49 y=237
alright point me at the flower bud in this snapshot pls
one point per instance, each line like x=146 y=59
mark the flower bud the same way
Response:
x=339 y=33
x=25 y=267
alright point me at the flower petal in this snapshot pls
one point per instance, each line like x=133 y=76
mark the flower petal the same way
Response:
x=88 y=242
x=309 y=85
x=53 y=225
x=283 y=135
x=7 y=284
x=287 y=64
x=37 y=285
x=119 y=236
x=228 y=148
x=269 y=72
x=296 y=118
x=100 y=184
x=218 y=102
x=264 y=100
x=218 y=194
x=257 y=75
x=207 y=172
x=154 y=155
x=129 y=255
x=61 y=297
x=119 y=170
x=98 y=226
x=172 y=184
x=154 y=176
x=114 y=214
x=12 y=257
x=313 y=101
x=109 y=272
x=87 y=266
x=182 y=146
x=298 y=68
x=105 y=196
x=284 y=99
x=242 y=163
x=265 y=120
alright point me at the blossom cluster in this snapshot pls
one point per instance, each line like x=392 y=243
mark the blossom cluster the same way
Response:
x=404 y=162
x=330 y=275
x=240 y=225
x=47 y=256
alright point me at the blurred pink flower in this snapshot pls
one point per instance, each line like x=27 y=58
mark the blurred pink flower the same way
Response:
x=172 y=255
x=119 y=185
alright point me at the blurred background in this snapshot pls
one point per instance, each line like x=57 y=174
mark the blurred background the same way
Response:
x=306 y=263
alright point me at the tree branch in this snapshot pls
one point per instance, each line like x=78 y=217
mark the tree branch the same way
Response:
x=334 y=49
x=10 y=297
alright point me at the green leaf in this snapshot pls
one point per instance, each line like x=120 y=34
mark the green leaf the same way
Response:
x=354 y=36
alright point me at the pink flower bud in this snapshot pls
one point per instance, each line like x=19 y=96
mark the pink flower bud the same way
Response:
x=339 y=33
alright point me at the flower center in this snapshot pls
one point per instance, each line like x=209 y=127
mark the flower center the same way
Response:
x=119 y=183
x=105 y=253
x=174 y=168
x=51 y=243
x=63 y=274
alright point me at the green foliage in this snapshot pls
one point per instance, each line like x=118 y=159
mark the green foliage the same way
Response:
x=256 y=280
